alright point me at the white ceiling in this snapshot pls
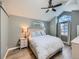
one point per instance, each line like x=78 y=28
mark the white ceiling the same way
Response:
x=71 y=5
x=32 y=8
x=78 y=2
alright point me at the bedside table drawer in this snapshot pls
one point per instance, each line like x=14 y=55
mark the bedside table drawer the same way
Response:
x=23 y=43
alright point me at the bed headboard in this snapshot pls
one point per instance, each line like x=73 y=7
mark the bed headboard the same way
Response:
x=34 y=30
x=37 y=32
x=37 y=25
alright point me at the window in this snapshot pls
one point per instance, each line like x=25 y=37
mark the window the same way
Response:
x=64 y=29
x=64 y=20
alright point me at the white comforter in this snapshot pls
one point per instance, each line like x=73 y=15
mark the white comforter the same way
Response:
x=46 y=45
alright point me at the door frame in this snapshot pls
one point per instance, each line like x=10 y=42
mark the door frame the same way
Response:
x=59 y=31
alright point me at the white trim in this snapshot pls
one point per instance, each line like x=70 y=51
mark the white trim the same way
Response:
x=8 y=50
x=68 y=43
x=6 y=54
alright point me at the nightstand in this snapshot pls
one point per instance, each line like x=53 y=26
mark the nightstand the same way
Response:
x=23 y=43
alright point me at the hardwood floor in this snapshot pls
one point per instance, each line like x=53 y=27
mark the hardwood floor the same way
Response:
x=27 y=54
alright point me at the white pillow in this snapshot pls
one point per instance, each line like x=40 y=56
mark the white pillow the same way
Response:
x=33 y=34
x=36 y=33
x=43 y=33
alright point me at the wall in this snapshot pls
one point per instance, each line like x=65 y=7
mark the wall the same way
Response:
x=15 y=23
x=3 y=29
x=53 y=24
x=0 y=33
x=4 y=33
x=75 y=22
x=64 y=13
x=4 y=4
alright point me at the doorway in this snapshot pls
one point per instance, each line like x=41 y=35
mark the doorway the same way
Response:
x=64 y=31
x=64 y=26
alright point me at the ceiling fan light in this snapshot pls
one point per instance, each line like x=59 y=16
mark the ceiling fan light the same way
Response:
x=50 y=9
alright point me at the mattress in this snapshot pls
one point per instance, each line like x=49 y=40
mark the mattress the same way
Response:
x=45 y=46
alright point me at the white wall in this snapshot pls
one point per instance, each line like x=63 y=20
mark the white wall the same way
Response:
x=3 y=4
x=0 y=32
x=4 y=33
x=71 y=7
x=3 y=29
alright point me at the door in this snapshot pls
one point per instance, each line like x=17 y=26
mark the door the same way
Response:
x=64 y=31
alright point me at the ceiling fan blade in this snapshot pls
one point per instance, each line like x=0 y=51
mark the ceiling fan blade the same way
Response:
x=47 y=10
x=54 y=10
x=57 y=5
x=50 y=3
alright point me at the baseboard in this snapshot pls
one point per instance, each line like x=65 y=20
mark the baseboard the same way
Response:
x=8 y=50
x=13 y=48
x=6 y=54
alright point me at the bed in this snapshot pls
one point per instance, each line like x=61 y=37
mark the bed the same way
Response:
x=44 y=46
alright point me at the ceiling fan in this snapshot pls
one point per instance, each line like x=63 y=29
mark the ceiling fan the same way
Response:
x=51 y=6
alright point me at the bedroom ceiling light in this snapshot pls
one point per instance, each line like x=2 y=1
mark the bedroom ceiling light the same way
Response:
x=50 y=9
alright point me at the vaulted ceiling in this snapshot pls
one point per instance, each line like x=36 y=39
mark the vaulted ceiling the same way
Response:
x=32 y=8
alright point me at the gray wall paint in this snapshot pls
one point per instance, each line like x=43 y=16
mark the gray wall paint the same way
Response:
x=15 y=23
x=4 y=33
x=75 y=22
x=53 y=24
x=64 y=13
